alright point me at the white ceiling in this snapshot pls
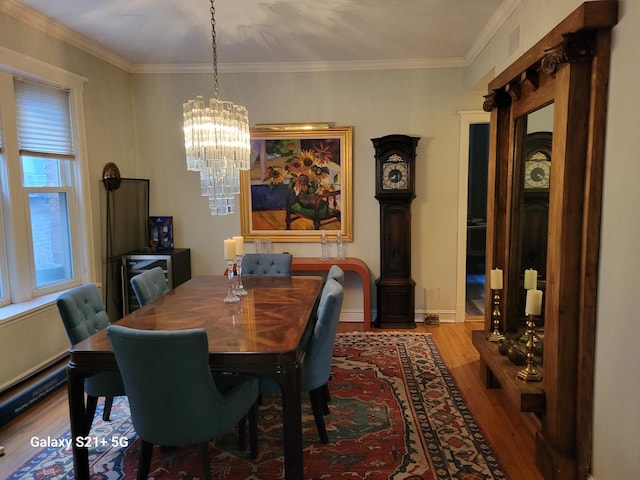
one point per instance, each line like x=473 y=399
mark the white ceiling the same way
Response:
x=272 y=34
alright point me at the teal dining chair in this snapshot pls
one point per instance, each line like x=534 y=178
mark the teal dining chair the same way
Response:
x=316 y=369
x=173 y=397
x=149 y=285
x=269 y=264
x=336 y=273
x=84 y=314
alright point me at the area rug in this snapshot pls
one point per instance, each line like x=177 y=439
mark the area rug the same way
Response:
x=395 y=414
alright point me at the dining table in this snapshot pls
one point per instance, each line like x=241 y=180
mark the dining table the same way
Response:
x=265 y=333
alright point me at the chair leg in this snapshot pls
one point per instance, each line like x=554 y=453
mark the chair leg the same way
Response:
x=253 y=431
x=242 y=433
x=206 y=466
x=144 y=464
x=92 y=404
x=106 y=412
x=326 y=398
x=316 y=398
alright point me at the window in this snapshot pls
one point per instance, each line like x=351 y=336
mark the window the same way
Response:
x=43 y=239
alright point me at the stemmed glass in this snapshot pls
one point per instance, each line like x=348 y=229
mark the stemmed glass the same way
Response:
x=239 y=290
x=231 y=296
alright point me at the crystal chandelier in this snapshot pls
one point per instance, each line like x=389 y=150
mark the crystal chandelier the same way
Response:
x=217 y=142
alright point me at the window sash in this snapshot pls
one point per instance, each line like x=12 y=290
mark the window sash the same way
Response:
x=67 y=187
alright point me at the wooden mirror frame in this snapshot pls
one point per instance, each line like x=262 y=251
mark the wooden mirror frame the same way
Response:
x=569 y=67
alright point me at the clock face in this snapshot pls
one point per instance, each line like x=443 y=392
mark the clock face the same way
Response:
x=537 y=174
x=395 y=174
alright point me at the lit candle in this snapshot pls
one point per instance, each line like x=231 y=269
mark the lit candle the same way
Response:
x=530 y=279
x=496 y=279
x=229 y=248
x=534 y=302
x=239 y=245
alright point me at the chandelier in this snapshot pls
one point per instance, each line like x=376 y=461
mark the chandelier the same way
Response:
x=217 y=142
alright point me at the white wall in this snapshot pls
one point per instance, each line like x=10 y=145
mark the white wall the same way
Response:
x=423 y=103
x=29 y=343
x=617 y=385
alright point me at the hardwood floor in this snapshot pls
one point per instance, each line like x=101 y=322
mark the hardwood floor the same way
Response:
x=505 y=429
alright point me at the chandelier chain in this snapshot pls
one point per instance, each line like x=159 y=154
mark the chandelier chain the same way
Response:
x=214 y=47
x=217 y=141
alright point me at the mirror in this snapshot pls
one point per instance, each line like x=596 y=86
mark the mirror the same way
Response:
x=533 y=147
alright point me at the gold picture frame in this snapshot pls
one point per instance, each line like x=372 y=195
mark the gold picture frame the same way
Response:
x=298 y=184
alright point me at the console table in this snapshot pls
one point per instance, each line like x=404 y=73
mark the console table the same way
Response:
x=350 y=264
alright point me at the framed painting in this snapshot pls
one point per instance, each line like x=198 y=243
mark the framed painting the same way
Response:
x=298 y=184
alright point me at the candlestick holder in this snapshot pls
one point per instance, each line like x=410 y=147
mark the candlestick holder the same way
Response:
x=231 y=296
x=239 y=290
x=530 y=373
x=495 y=335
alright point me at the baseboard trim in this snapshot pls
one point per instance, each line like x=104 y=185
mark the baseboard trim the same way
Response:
x=25 y=398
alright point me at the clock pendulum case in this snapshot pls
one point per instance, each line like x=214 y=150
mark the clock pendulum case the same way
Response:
x=395 y=157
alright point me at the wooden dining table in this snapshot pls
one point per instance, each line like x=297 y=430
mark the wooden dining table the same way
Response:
x=265 y=333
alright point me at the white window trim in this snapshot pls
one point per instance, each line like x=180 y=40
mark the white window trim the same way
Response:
x=22 y=65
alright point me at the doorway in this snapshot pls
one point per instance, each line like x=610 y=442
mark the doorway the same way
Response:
x=476 y=219
x=472 y=207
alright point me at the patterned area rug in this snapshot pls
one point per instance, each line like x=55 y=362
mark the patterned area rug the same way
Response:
x=395 y=414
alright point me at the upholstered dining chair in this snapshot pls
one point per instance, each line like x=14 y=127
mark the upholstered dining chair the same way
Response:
x=149 y=285
x=336 y=273
x=316 y=369
x=268 y=264
x=173 y=397
x=83 y=314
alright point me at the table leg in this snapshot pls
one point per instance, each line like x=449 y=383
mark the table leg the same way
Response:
x=78 y=420
x=292 y=422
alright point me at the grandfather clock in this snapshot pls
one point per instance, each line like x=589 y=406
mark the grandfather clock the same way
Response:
x=395 y=157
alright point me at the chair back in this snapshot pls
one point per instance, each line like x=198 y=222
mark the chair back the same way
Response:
x=317 y=366
x=267 y=264
x=149 y=285
x=336 y=273
x=82 y=312
x=172 y=395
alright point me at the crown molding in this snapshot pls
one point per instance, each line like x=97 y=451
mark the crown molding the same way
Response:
x=496 y=21
x=293 y=67
x=48 y=26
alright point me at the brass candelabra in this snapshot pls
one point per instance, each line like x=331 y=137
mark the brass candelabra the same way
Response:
x=530 y=372
x=495 y=335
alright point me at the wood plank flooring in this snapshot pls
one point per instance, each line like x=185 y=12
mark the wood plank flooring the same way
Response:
x=504 y=428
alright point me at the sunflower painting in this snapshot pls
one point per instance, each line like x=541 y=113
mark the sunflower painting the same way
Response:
x=298 y=184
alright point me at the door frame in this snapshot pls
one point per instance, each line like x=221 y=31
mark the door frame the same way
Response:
x=467 y=118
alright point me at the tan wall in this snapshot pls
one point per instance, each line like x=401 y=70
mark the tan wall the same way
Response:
x=423 y=103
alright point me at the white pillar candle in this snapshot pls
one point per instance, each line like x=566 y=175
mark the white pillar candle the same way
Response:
x=530 y=279
x=229 y=248
x=239 y=245
x=496 y=279
x=534 y=302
